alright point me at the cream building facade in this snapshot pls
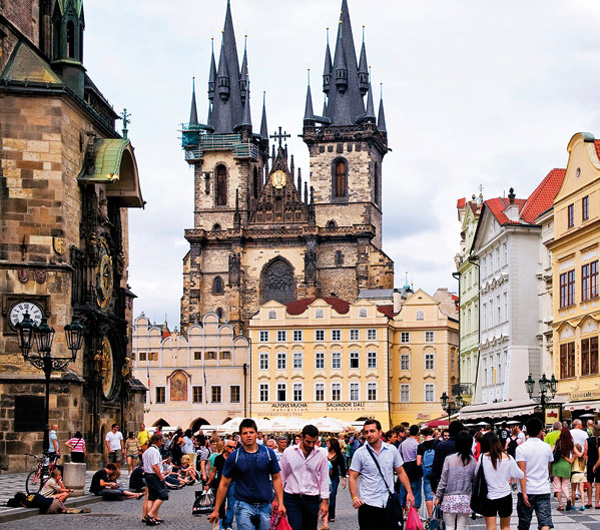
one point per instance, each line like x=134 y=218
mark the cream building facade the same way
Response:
x=195 y=378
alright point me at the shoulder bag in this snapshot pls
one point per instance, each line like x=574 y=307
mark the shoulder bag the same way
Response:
x=480 y=489
x=393 y=506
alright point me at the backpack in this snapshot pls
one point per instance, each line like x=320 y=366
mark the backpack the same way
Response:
x=512 y=447
x=428 y=462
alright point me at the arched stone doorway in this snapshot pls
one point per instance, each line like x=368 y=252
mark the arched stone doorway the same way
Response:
x=277 y=281
x=161 y=422
x=197 y=423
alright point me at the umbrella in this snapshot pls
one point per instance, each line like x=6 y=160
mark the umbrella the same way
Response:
x=232 y=426
x=513 y=422
x=281 y=424
x=481 y=424
x=326 y=424
x=588 y=415
x=437 y=423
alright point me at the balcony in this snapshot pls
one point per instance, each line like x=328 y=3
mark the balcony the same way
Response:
x=464 y=389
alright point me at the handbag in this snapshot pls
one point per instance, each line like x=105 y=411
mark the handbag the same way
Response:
x=480 y=490
x=393 y=507
x=435 y=522
x=556 y=453
x=204 y=503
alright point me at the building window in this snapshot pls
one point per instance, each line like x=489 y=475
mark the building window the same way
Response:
x=197 y=394
x=221 y=191
x=505 y=253
x=585 y=208
x=340 y=179
x=281 y=361
x=263 y=361
x=197 y=356
x=336 y=391
x=297 y=392
x=420 y=315
x=404 y=393
x=142 y=355
x=297 y=335
x=429 y=336
x=354 y=391
x=594 y=279
x=429 y=393
x=429 y=361
x=336 y=360
x=234 y=394
x=571 y=215
x=298 y=360
x=225 y=356
x=567 y=360
x=371 y=334
x=319 y=391
x=272 y=314
x=281 y=392
x=153 y=356
x=281 y=335
x=371 y=391
x=263 y=336
x=320 y=335
x=215 y=393
x=336 y=334
x=372 y=359
x=320 y=360
x=567 y=288
x=405 y=337
x=362 y=313
x=405 y=361
x=218 y=285
x=211 y=355
x=339 y=258
x=319 y=313
x=354 y=359
x=354 y=334
x=160 y=395
x=589 y=281
x=263 y=392
x=589 y=356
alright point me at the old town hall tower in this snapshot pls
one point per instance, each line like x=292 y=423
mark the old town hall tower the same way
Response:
x=263 y=233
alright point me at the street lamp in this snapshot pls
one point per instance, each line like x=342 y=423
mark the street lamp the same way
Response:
x=547 y=386
x=43 y=335
x=451 y=406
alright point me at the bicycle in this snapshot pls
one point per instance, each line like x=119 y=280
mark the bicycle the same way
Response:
x=37 y=478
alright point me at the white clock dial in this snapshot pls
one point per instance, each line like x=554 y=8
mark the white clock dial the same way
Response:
x=17 y=313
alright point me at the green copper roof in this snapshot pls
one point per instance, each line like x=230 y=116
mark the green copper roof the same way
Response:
x=26 y=66
x=63 y=4
x=108 y=161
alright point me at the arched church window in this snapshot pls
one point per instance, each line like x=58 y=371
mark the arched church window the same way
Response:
x=340 y=179
x=255 y=183
x=331 y=224
x=71 y=39
x=376 y=184
x=218 y=285
x=221 y=191
x=217 y=227
x=277 y=282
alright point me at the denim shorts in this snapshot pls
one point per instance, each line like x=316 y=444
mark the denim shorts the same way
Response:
x=156 y=488
x=541 y=505
x=252 y=516
x=427 y=491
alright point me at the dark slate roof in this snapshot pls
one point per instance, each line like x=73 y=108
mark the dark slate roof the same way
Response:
x=308 y=107
x=194 y=109
x=264 y=129
x=381 y=119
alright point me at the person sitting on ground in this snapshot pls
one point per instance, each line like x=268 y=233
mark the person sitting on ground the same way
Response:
x=137 y=481
x=171 y=473
x=186 y=471
x=104 y=484
x=55 y=487
x=46 y=505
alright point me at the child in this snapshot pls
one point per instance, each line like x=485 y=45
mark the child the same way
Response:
x=578 y=477
x=54 y=487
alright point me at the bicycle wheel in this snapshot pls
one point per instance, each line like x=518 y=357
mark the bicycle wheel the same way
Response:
x=33 y=484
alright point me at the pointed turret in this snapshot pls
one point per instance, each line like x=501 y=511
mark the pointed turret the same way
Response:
x=223 y=79
x=309 y=115
x=340 y=69
x=327 y=68
x=370 y=112
x=212 y=74
x=363 y=68
x=244 y=71
x=264 y=130
x=381 y=119
x=247 y=120
x=194 y=109
x=325 y=105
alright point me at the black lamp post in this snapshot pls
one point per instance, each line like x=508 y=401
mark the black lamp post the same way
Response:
x=451 y=406
x=43 y=335
x=547 y=386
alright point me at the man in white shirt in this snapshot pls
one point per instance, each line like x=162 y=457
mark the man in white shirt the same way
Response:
x=578 y=433
x=115 y=445
x=156 y=490
x=534 y=457
x=282 y=443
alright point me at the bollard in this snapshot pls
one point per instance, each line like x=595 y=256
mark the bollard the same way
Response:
x=74 y=478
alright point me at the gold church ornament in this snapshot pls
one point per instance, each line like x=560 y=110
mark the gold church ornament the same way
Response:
x=278 y=178
x=58 y=243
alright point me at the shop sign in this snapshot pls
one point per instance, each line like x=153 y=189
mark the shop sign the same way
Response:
x=584 y=395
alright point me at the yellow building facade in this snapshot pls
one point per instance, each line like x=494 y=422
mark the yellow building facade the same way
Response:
x=576 y=301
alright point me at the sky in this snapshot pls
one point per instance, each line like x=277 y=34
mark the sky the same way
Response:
x=478 y=95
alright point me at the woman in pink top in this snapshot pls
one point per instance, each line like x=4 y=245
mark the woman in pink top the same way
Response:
x=77 y=445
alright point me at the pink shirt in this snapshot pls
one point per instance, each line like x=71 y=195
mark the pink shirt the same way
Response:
x=306 y=476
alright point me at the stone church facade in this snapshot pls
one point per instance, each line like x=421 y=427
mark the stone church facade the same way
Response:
x=263 y=233
x=67 y=179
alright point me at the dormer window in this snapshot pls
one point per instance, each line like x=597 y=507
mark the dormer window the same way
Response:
x=340 y=179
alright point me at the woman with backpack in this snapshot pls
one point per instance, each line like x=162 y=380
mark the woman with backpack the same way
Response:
x=456 y=484
x=425 y=455
x=561 y=467
x=512 y=442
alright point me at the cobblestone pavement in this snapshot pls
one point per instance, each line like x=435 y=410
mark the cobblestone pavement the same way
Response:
x=177 y=514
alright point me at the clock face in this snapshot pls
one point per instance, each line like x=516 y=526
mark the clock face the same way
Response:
x=107 y=368
x=104 y=275
x=278 y=179
x=17 y=313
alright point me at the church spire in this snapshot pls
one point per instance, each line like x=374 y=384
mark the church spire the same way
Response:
x=212 y=74
x=327 y=68
x=381 y=119
x=363 y=68
x=194 y=109
x=309 y=115
x=244 y=71
x=370 y=113
x=264 y=130
x=247 y=120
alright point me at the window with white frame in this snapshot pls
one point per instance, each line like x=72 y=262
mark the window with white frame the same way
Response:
x=263 y=392
x=405 y=361
x=355 y=334
x=336 y=391
x=319 y=335
x=336 y=360
x=336 y=334
x=263 y=360
x=298 y=360
x=235 y=394
x=215 y=393
x=429 y=336
x=362 y=313
x=372 y=359
x=297 y=392
x=297 y=335
x=429 y=393
x=404 y=393
x=320 y=360
x=197 y=392
x=263 y=336
x=420 y=315
x=281 y=361
x=354 y=359
x=319 y=313
x=371 y=334
x=429 y=361
x=354 y=391
x=272 y=314
x=371 y=391
x=405 y=337
x=319 y=391
x=160 y=395
x=281 y=335
x=281 y=392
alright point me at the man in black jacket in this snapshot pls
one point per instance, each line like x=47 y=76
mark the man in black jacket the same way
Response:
x=442 y=450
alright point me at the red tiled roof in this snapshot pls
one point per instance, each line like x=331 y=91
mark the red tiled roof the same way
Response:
x=542 y=197
x=297 y=307
x=597 y=145
x=499 y=204
x=461 y=202
x=387 y=310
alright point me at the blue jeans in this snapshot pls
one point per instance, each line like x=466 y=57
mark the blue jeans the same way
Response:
x=244 y=511
x=416 y=490
x=335 y=482
x=227 y=520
